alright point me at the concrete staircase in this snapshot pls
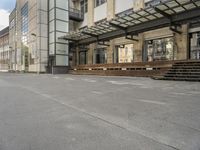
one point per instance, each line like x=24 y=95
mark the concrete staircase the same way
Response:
x=182 y=71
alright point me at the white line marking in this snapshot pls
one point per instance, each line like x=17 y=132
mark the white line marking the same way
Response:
x=97 y=92
x=177 y=93
x=152 y=102
x=125 y=83
x=118 y=82
x=89 y=80
x=70 y=79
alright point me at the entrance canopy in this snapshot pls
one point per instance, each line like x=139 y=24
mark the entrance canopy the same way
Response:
x=166 y=13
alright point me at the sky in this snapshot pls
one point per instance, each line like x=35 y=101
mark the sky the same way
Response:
x=6 y=6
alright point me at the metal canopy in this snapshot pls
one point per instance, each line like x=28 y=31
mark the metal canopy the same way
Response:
x=168 y=12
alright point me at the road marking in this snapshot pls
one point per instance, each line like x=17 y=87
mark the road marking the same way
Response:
x=125 y=83
x=89 y=80
x=118 y=82
x=70 y=79
x=56 y=77
x=97 y=92
x=178 y=93
x=151 y=101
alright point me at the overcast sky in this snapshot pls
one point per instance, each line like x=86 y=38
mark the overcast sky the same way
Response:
x=6 y=6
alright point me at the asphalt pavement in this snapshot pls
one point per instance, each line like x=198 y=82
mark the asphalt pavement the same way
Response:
x=67 y=112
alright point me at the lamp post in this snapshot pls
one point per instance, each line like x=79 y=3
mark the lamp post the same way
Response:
x=37 y=54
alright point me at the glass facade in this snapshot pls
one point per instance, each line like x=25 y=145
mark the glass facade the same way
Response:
x=58 y=27
x=160 y=49
x=24 y=35
x=24 y=24
x=195 y=46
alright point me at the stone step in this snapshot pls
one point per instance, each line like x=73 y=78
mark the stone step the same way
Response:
x=184 y=70
x=180 y=79
x=185 y=67
x=183 y=73
x=188 y=62
x=182 y=76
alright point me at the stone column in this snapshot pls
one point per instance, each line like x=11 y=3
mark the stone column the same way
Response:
x=77 y=56
x=138 y=4
x=138 y=48
x=90 y=23
x=110 y=15
x=181 y=43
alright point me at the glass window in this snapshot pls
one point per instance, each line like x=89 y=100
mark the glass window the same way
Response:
x=12 y=23
x=52 y=37
x=62 y=14
x=61 y=26
x=84 y=6
x=52 y=49
x=62 y=4
x=61 y=48
x=100 y=56
x=83 y=57
x=125 y=53
x=24 y=24
x=99 y=2
x=51 y=15
x=51 y=26
x=61 y=60
x=160 y=49
x=195 y=46
x=51 y=4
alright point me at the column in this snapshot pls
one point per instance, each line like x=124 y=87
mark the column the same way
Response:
x=110 y=15
x=181 y=43
x=90 y=23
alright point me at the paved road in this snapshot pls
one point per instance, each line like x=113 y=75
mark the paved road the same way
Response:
x=66 y=112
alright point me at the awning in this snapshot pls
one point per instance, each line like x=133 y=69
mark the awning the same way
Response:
x=165 y=13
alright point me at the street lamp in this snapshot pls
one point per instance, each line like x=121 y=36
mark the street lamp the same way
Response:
x=37 y=54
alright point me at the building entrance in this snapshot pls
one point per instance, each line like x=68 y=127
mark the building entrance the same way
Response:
x=195 y=46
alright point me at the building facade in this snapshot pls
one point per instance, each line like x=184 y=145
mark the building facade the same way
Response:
x=4 y=49
x=35 y=26
x=154 y=45
x=50 y=35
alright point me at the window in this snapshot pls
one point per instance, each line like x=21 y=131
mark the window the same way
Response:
x=99 y=2
x=125 y=53
x=83 y=57
x=160 y=49
x=100 y=56
x=152 y=3
x=195 y=46
x=24 y=24
x=12 y=23
x=84 y=6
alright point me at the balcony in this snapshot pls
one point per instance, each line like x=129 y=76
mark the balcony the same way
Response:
x=76 y=15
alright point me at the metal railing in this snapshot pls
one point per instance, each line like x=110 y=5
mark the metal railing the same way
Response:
x=76 y=14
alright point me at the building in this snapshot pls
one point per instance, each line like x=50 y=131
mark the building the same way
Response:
x=4 y=49
x=34 y=30
x=95 y=36
x=120 y=38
